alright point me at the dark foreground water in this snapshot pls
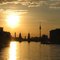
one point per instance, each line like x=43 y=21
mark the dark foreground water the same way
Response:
x=30 y=51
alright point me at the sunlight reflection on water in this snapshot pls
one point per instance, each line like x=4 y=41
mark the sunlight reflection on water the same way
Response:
x=12 y=51
x=30 y=51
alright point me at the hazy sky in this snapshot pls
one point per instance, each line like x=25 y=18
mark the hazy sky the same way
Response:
x=32 y=13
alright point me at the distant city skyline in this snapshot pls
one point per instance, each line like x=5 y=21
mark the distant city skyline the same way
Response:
x=31 y=13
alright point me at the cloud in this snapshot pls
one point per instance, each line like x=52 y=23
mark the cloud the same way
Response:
x=55 y=5
x=18 y=5
x=26 y=4
x=34 y=3
x=13 y=6
x=29 y=3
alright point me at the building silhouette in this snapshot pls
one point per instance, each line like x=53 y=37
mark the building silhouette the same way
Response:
x=1 y=29
x=20 y=37
x=15 y=35
x=55 y=36
x=44 y=39
x=28 y=37
x=5 y=37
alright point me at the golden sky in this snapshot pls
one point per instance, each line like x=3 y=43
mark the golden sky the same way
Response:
x=31 y=13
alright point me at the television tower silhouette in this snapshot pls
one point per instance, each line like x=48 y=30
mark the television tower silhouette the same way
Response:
x=40 y=29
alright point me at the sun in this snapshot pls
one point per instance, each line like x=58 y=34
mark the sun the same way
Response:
x=13 y=19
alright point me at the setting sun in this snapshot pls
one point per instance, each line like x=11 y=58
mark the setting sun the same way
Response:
x=12 y=19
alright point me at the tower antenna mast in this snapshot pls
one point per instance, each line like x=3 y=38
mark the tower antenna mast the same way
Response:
x=40 y=29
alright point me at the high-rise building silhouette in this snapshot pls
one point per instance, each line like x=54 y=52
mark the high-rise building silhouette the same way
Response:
x=28 y=35
x=5 y=37
x=1 y=29
x=15 y=34
x=55 y=35
x=20 y=36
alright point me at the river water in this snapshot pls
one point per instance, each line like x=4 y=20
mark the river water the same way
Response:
x=30 y=51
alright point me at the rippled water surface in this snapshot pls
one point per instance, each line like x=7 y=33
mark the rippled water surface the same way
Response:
x=30 y=51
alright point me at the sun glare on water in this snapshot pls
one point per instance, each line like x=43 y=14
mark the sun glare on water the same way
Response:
x=12 y=19
x=12 y=51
